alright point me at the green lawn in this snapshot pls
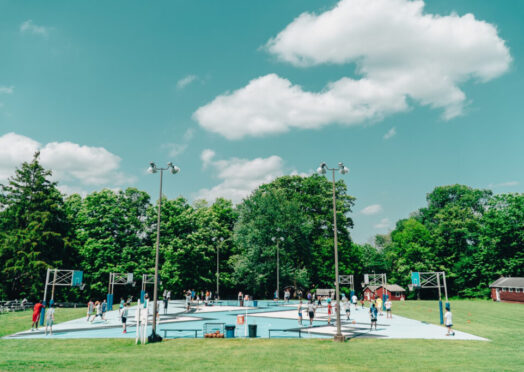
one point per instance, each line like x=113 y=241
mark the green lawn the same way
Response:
x=502 y=323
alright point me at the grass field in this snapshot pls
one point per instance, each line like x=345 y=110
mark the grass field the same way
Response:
x=502 y=323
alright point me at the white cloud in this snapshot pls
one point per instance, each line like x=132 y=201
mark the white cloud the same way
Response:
x=372 y=209
x=89 y=165
x=383 y=224
x=504 y=184
x=398 y=50
x=239 y=177
x=29 y=26
x=6 y=90
x=271 y=104
x=68 y=161
x=392 y=132
x=185 y=81
x=14 y=150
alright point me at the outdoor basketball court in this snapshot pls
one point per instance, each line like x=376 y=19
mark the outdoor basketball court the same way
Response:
x=273 y=320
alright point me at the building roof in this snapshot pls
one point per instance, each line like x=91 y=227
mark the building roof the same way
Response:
x=389 y=287
x=508 y=283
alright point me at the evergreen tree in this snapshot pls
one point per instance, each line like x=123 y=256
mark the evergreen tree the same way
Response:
x=34 y=231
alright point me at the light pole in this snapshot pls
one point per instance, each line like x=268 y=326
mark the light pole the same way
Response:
x=154 y=169
x=343 y=170
x=221 y=241
x=276 y=240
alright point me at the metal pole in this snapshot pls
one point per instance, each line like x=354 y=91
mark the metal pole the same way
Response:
x=445 y=286
x=53 y=288
x=438 y=285
x=46 y=284
x=386 y=289
x=278 y=270
x=218 y=268
x=338 y=336
x=440 y=300
x=156 y=259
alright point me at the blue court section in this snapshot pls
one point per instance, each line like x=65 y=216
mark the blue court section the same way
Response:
x=275 y=320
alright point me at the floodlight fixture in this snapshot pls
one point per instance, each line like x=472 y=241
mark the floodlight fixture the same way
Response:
x=322 y=169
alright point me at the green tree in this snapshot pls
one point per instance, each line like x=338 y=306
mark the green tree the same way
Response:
x=34 y=231
x=111 y=232
x=300 y=210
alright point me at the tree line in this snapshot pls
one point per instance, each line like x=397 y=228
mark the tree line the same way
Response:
x=471 y=234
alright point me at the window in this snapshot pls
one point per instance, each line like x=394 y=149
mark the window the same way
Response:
x=511 y=289
x=504 y=289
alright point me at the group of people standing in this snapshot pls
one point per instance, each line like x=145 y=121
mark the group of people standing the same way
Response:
x=191 y=295
x=49 y=316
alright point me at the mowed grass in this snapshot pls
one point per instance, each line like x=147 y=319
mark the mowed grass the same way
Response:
x=502 y=323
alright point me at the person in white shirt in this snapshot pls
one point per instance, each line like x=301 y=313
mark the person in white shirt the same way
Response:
x=448 y=321
x=388 y=309
x=311 y=308
x=50 y=318
x=124 y=315
x=347 y=306
x=354 y=300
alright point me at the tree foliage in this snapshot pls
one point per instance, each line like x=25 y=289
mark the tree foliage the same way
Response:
x=472 y=235
x=34 y=231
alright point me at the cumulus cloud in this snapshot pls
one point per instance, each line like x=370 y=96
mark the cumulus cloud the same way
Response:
x=185 y=81
x=68 y=161
x=14 y=150
x=372 y=209
x=392 y=132
x=239 y=177
x=383 y=224
x=399 y=51
x=29 y=27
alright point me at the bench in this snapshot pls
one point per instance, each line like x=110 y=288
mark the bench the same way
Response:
x=286 y=330
x=181 y=330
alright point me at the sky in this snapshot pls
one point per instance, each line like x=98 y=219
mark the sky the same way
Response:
x=409 y=95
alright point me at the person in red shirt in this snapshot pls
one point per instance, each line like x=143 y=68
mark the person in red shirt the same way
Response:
x=36 y=314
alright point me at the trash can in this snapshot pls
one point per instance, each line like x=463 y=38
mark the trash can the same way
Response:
x=252 y=330
x=230 y=331
x=255 y=303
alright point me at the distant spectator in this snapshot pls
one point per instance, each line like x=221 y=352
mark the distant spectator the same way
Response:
x=448 y=321
x=50 y=319
x=373 y=315
x=90 y=310
x=124 y=315
x=37 y=309
x=388 y=309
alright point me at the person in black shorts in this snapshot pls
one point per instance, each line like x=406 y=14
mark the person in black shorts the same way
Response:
x=125 y=312
x=311 y=311
x=373 y=314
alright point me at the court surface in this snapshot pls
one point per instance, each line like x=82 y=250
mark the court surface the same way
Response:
x=275 y=320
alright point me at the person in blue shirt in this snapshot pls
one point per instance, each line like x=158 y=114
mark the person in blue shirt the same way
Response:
x=373 y=312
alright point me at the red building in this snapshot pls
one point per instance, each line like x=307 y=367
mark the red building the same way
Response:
x=394 y=291
x=508 y=290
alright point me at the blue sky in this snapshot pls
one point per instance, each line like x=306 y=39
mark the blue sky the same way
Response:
x=409 y=95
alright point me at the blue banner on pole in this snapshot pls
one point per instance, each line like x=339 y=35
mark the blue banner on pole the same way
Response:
x=415 y=279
